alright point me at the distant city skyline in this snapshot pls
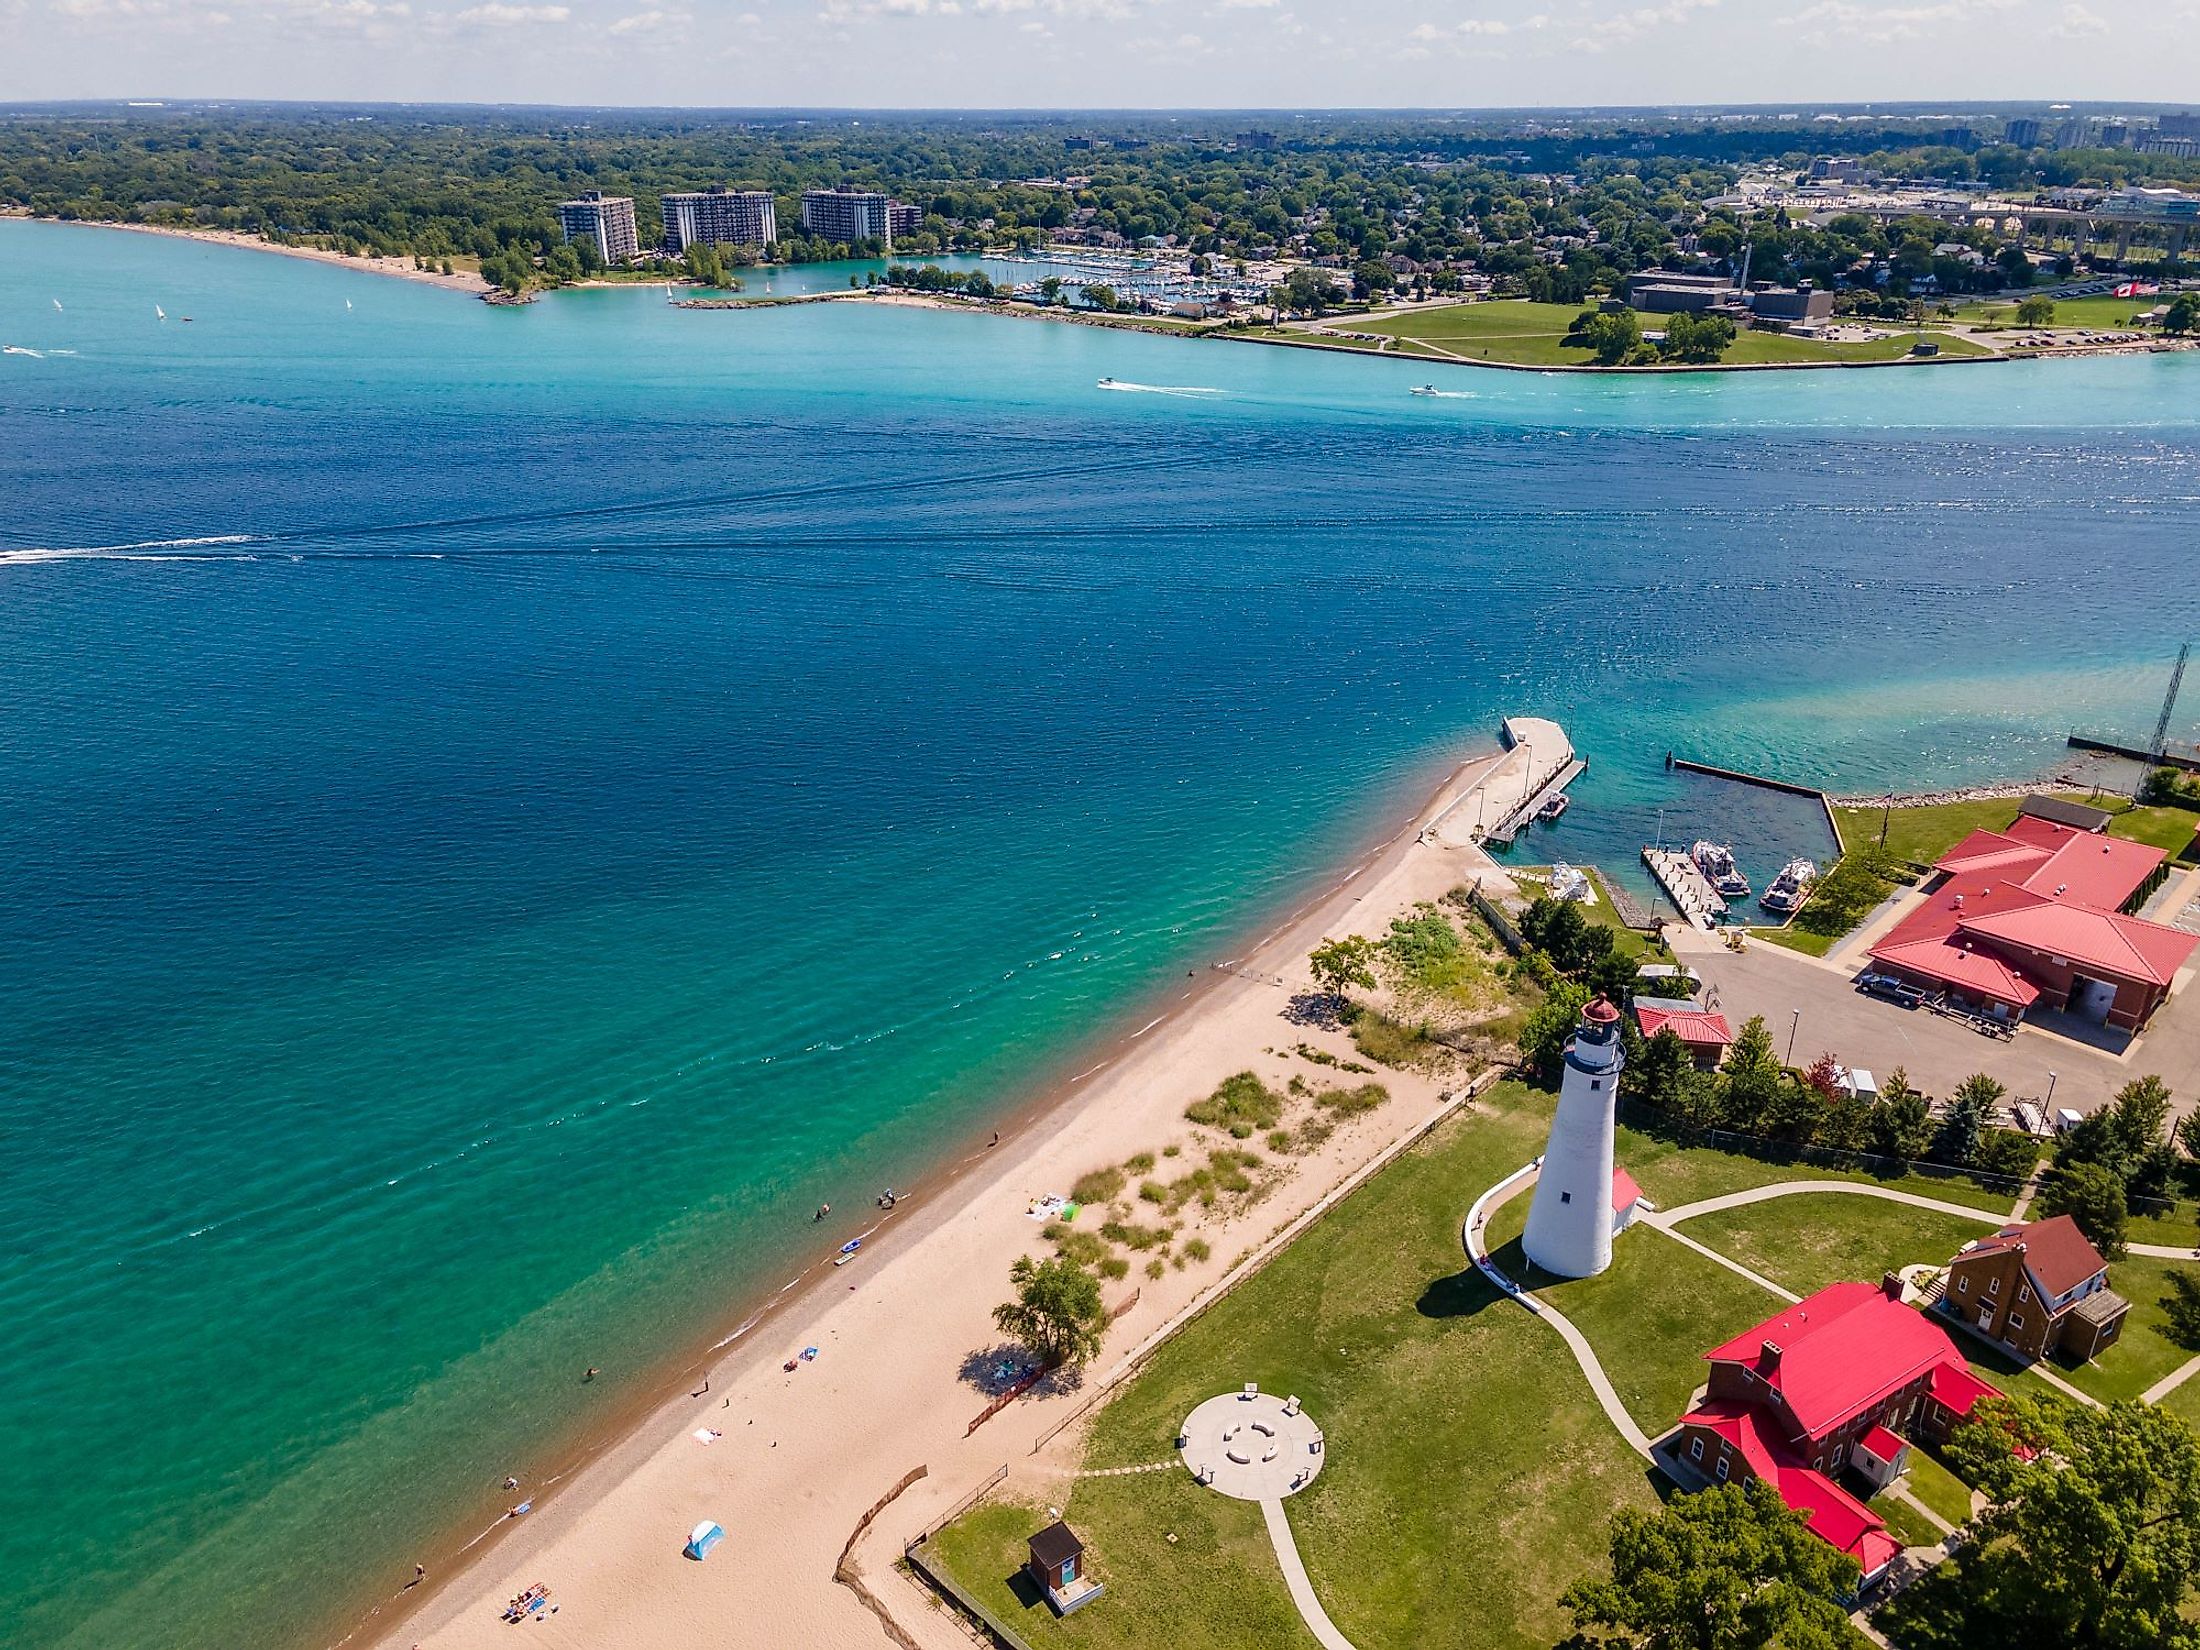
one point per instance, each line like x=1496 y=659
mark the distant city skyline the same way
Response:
x=1071 y=54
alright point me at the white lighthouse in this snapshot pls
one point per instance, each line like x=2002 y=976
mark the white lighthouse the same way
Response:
x=1570 y=1222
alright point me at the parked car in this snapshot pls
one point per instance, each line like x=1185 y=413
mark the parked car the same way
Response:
x=1893 y=990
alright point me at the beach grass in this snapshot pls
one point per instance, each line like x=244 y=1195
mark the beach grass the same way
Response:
x=1812 y=1239
x=1445 y=1407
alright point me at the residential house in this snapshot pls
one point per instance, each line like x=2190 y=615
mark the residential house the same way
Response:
x=1702 y=1031
x=1842 y=1379
x=2037 y=1288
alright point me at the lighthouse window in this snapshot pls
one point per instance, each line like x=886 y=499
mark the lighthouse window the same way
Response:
x=1596 y=1082
x=1565 y=1197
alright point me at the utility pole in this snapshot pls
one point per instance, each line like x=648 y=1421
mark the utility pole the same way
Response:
x=1793 y=1026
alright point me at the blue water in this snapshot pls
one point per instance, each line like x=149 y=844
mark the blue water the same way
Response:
x=505 y=810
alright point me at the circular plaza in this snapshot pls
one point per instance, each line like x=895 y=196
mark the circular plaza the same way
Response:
x=1251 y=1445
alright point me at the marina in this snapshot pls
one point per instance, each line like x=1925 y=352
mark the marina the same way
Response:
x=1686 y=886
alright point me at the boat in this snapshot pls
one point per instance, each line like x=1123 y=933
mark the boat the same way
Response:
x=1552 y=809
x=159 y=314
x=1716 y=861
x=1790 y=887
x=1426 y=389
x=1107 y=383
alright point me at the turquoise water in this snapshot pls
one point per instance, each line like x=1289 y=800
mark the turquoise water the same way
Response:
x=506 y=810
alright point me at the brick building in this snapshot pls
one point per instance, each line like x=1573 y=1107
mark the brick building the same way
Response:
x=2037 y=1289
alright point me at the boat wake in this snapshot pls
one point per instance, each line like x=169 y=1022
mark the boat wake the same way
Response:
x=18 y=349
x=1435 y=394
x=142 y=550
x=1158 y=389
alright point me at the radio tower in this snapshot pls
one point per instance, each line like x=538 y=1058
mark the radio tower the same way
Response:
x=2160 y=742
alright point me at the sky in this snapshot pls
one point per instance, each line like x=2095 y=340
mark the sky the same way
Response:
x=1102 y=53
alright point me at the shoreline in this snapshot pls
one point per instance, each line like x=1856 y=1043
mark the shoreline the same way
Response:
x=398 y=267
x=741 y=1365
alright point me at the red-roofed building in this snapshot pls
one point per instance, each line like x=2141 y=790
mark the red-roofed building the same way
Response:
x=2035 y=915
x=2037 y=1288
x=1703 y=1032
x=1841 y=1379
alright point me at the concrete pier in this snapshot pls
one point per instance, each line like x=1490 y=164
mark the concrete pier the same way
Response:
x=1685 y=886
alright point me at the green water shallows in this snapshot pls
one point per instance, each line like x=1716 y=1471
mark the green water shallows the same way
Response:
x=507 y=810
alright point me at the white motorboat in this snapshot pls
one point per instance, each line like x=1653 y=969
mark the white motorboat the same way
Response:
x=1716 y=861
x=1790 y=887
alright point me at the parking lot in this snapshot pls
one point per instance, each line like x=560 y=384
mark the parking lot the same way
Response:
x=1827 y=1014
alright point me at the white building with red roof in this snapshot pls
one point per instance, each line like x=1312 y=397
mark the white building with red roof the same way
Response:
x=1843 y=1379
x=2035 y=916
x=1702 y=1031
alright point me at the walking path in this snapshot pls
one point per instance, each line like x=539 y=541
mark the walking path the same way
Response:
x=1584 y=1354
x=1789 y=1188
x=1294 y=1577
x=2171 y=1382
x=1709 y=1253
x=2162 y=1251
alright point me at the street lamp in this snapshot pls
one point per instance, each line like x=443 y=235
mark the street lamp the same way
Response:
x=1792 y=1027
x=2049 y=1102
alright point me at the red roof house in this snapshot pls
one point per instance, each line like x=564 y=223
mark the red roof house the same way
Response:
x=1840 y=1379
x=1703 y=1032
x=2034 y=915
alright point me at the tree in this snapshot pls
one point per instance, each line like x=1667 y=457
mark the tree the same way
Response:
x=1371 y=277
x=1970 y=1110
x=1339 y=965
x=2091 y=1195
x=1902 y=1122
x=2188 y=1134
x=2182 y=1307
x=2036 y=311
x=1611 y=337
x=1698 y=337
x=1057 y=1311
x=2184 y=313
x=1657 y=1075
x=1309 y=290
x=1549 y=1026
x=1729 y=1569
x=1750 y=1075
x=1101 y=296
x=2090 y=1538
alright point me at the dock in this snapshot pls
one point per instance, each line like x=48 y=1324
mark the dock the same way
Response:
x=2169 y=758
x=1509 y=827
x=1681 y=764
x=1688 y=888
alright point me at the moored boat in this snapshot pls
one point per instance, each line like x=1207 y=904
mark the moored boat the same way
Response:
x=1716 y=861
x=1790 y=887
x=1554 y=808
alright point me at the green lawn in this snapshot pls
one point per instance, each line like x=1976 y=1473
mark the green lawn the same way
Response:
x=1797 y=939
x=2099 y=314
x=2144 y=1353
x=2178 y=1229
x=1922 y=835
x=1939 y=1488
x=1447 y=1409
x=1812 y=1239
x=1215 y=1587
x=2185 y=1400
x=1753 y=348
x=1910 y=1527
x=1674 y=1175
x=1651 y=1318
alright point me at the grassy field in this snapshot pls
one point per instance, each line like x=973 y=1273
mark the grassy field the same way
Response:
x=2178 y=1229
x=1812 y=1239
x=1447 y=1409
x=1939 y=1488
x=1756 y=348
x=1909 y=1526
x=2144 y=1353
x=1215 y=1587
x=1922 y=835
x=1651 y=1318
x=1796 y=939
x=2098 y=314
x=1673 y=1175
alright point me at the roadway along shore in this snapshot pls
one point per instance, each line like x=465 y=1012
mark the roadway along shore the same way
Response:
x=801 y=1455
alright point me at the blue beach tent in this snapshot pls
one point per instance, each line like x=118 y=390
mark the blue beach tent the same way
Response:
x=702 y=1538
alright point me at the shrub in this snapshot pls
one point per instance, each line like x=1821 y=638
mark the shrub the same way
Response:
x=1352 y=1102
x=1099 y=1186
x=1156 y=1267
x=1279 y=1140
x=1152 y=1191
x=1141 y=1164
x=1388 y=1042
x=1240 y=1104
x=1195 y=1249
x=1132 y=1236
x=1115 y=1266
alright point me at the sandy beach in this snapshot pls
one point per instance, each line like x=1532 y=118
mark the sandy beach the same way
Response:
x=800 y=1456
x=399 y=266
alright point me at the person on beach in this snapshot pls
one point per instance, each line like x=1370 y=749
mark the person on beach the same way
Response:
x=420 y=1574
x=995 y=1141
x=823 y=1209
x=591 y=1375
x=511 y=1483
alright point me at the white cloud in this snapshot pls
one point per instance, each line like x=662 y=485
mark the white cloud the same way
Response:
x=1844 y=20
x=497 y=15
x=1624 y=27
x=649 y=22
x=1249 y=5
x=2079 y=24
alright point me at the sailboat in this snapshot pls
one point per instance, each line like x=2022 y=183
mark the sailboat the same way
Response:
x=159 y=313
x=347 y=303
x=57 y=305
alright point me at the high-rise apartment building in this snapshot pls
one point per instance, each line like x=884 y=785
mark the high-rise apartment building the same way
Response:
x=2025 y=134
x=851 y=215
x=605 y=220
x=707 y=217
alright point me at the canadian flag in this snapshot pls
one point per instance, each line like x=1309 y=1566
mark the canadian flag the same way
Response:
x=2137 y=289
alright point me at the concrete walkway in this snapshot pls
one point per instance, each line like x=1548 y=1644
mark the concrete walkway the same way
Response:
x=2162 y=1251
x=1294 y=1577
x=1585 y=1355
x=2171 y=1382
x=1790 y=1188
x=1732 y=1265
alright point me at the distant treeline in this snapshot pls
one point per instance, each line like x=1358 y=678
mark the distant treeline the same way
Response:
x=1553 y=215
